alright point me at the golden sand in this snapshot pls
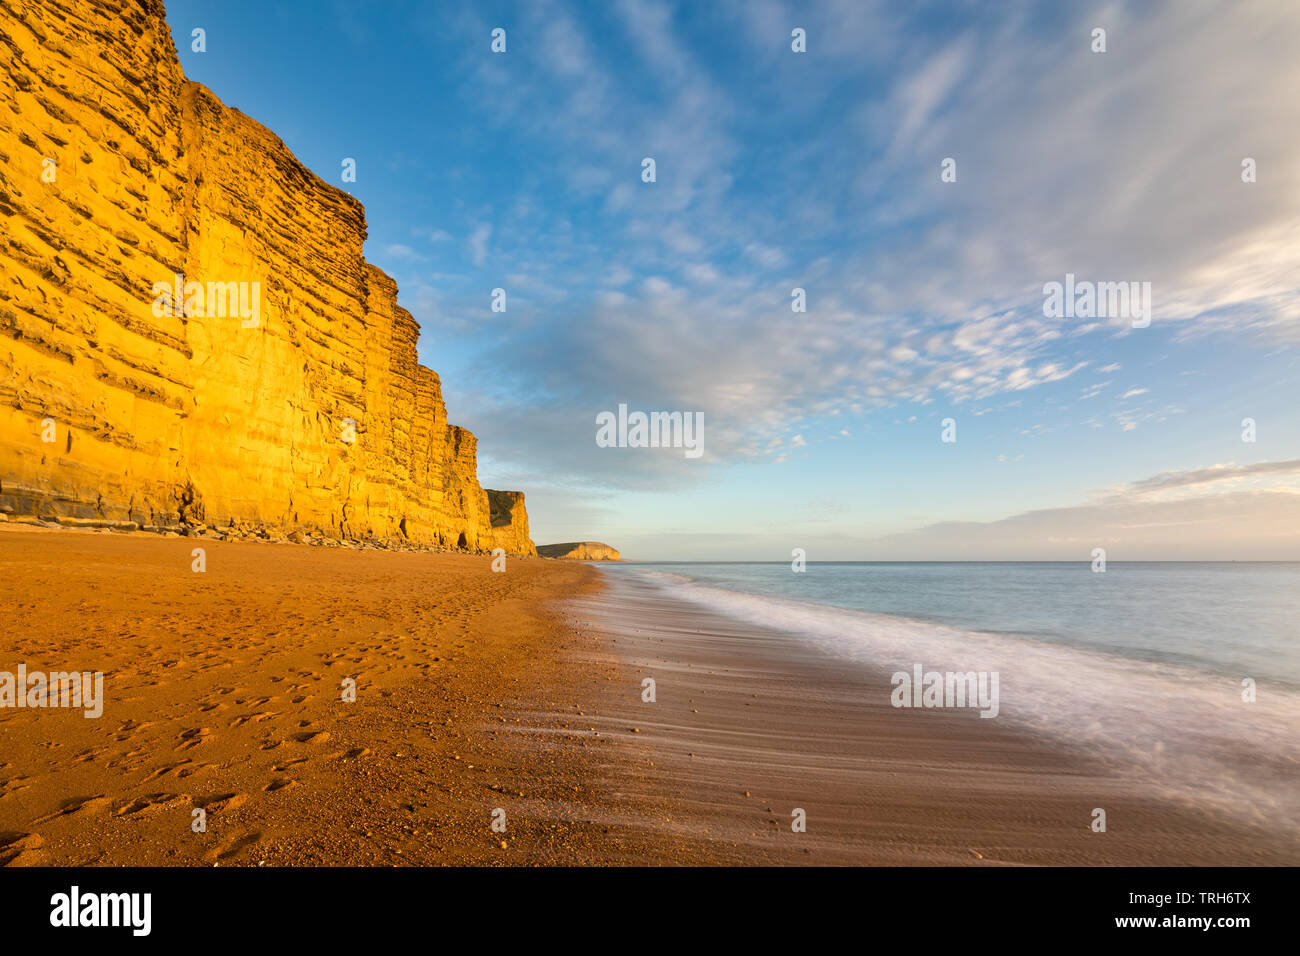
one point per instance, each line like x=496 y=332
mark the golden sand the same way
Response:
x=512 y=698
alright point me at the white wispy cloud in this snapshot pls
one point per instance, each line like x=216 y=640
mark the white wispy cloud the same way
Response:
x=1220 y=512
x=1118 y=166
x=478 y=243
x=1220 y=476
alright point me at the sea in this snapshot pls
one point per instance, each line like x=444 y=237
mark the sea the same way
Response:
x=1186 y=674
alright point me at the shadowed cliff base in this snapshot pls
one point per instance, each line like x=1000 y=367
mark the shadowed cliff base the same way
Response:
x=193 y=337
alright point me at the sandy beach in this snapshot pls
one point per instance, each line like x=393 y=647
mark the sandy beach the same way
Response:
x=751 y=723
x=512 y=696
x=223 y=692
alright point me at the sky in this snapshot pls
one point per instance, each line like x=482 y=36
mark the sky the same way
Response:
x=824 y=170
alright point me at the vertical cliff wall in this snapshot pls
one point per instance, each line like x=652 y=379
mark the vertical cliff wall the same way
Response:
x=510 y=522
x=121 y=181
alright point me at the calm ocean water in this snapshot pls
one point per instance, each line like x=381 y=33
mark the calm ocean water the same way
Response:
x=1142 y=663
x=1229 y=618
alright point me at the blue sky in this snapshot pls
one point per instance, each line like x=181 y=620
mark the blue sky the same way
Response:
x=821 y=170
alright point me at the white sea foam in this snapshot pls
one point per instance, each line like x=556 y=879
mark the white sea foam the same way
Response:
x=1182 y=732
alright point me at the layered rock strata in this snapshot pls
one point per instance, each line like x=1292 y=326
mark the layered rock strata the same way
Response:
x=510 y=522
x=189 y=332
x=579 y=551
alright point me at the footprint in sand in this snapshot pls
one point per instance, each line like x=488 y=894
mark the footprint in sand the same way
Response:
x=11 y=786
x=255 y=718
x=79 y=807
x=192 y=738
x=221 y=802
x=163 y=771
x=21 y=849
x=133 y=727
x=154 y=801
x=232 y=847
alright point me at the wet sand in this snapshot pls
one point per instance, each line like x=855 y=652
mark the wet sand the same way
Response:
x=481 y=694
x=750 y=724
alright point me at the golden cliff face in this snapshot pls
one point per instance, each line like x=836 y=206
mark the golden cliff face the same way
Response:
x=510 y=522
x=189 y=332
x=580 y=551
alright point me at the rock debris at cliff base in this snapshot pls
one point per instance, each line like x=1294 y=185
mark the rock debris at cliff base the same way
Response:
x=119 y=176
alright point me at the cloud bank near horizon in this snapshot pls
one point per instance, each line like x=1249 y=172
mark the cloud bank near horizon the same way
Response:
x=1249 y=512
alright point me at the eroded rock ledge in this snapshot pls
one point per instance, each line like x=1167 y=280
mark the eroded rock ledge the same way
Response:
x=579 y=551
x=116 y=174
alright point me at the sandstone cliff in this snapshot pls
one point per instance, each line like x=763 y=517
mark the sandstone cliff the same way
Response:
x=118 y=178
x=510 y=522
x=579 y=551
